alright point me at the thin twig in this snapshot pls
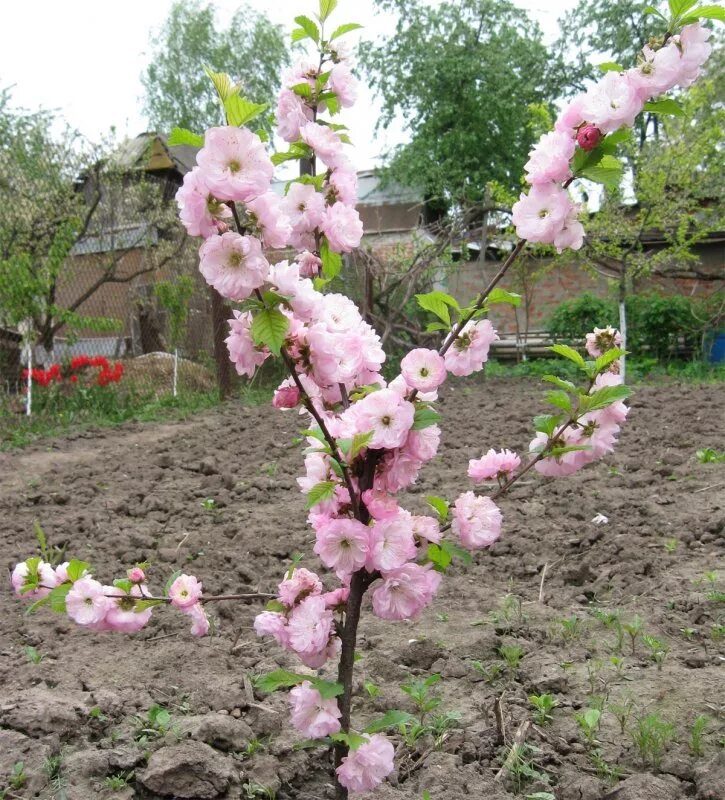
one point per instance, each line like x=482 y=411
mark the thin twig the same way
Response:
x=541 y=585
x=519 y=739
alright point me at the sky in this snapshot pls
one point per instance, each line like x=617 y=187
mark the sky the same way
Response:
x=84 y=58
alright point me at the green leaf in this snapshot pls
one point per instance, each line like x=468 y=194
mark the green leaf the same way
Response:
x=611 y=66
x=76 y=570
x=606 y=396
x=502 y=296
x=424 y=417
x=222 y=83
x=391 y=719
x=546 y=423
x=678 y=7
x=608 y=171
x=331 y=261
x=653 y=10
x=439 y=557
x=438 y=303
x=437 y=326
x=298 y=34
x=174 y=575
x=184 y=136
x=56 y=597
x=609 y=143
x=327 y=689
x=324 y=490
x=586 y=158
x=240 y=111
x=303 y=90
x=333 y=106
x=705 y=12
x=667 y=106
x=607 y=358
x=556 y=452
x=346 y=28
x=279 y=679
x=309 y=27
x=559 y=398
x=142 y=605
x=326 y=8
x=359 y=441
x=568 y=352
x=351 y=739
x=276 y=605
x=439 y=505
x=269 y=327
x=567 y=386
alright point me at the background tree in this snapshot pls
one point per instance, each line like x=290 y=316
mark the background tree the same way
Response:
x=463 y=75
x=56 y=191
x=177 y=93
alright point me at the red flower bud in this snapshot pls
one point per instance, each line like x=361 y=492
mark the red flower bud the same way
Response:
x=588 y=137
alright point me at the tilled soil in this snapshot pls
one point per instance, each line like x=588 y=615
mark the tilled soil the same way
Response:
x=75 y=718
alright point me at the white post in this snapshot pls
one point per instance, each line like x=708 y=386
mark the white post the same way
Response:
x=29 y=393
x=176 y=368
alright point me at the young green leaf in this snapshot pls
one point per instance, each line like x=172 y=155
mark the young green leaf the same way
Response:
x=546 y=423
x=324 y=490
x=666 y=106
x=184 y=136
x=704 y=12
x=606 y=396
x=608 y=171
x=439 y=557
x=502 y=296
x=559 y=398
x=438 y=303
x=269 y=327
x=331 y=261
x=678 y=7
x=298 y=34
x=279 y=679
x=76 y=569
x=439 y=505
x=309 y=27
x=568 y=352
x=359 y=441
x=56 y=597
x=240 y=111
x=567 y=386
x=346 y=28
x=326 y=8
x=303 y=90
x=424 y=417
x=391 y=719
x=653 y=10
x=327 y=689
x=611 y=66
x=604 y=360
x=223 y=84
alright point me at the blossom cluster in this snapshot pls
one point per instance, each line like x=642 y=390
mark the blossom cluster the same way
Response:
x=57 y=373
x=124 y=606
x=233 y=167
x=547 y=214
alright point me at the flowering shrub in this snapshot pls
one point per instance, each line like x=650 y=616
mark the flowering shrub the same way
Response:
x=368 y=439
x=75 y=368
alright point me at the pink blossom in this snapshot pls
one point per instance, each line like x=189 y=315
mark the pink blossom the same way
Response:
x=343 y=227
x=571 y=117
x=312 y=716
x=337 y=597
x=318 y=659
x=292 y=114
x=342 y=545
x=476 y=520
x=549 y=160
x=612 y=102
x=493 y=465
x=405 y=592
x=303 y=298
x=426 y=528
x=423 y=369
x=310 y=264
x=122 y=614
x=86 y=602
x=234 y=265
x=199 y=210
x=565 y=464
x=287 y=395
x=601 y=340
x=588 y=137
x=302 y=583
x=540 y=214
x=309 y=626
x=344 y=84
x=658 y=71
x=695 y=52
x=326 y=144
x=271 y=623
x=571 y=234
x=243 y=353
x=391 y=543
x=386 y=415
x=185 y=591
x=268 y=216
x=469 y=351
x=366 y=767
x=380 y=504
x=199 y=619
x=61 y=573
x=316 y=470
x=235 y=164
x=47 y=579
x=343 y=183
x=423 y=444
x=304 y=207
x=398 y=471
x=616 y=412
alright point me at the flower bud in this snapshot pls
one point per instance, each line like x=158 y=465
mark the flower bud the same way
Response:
x=286 y=397
x=588 y=137
x=136 y=575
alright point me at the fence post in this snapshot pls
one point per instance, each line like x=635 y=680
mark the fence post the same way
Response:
x=219 y=313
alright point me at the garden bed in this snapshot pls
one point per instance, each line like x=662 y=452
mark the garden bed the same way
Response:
x=74 y=708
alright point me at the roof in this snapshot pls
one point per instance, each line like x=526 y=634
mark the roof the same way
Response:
x=150 y=152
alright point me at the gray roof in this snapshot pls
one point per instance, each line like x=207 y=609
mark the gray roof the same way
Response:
x=131 y=153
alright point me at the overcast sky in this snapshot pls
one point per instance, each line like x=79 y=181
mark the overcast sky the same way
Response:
x=85 y=57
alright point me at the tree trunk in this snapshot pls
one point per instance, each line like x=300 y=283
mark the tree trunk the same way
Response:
x=623 y=319
x=219 y=315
